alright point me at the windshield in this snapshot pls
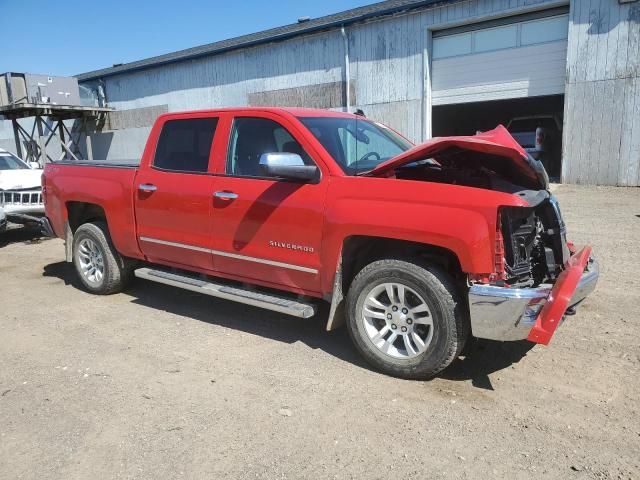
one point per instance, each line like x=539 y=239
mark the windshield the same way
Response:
x=356 y=145
x=8 y=161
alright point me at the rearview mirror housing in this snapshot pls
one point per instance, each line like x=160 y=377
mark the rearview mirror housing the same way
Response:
x=289 y=166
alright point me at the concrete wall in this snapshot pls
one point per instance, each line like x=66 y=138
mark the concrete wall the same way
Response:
x=6 y=136
x=602 y=98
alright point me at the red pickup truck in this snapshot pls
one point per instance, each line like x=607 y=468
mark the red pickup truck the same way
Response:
x=416 y=248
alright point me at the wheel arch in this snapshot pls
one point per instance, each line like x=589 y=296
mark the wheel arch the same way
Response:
x=119 y=218
x=79 y=213
x=357 y=251
x=83 y=212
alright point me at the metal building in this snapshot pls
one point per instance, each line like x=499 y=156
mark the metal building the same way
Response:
x=425 y=67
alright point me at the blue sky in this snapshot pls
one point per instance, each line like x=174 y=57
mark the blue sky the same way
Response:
x=67 y=37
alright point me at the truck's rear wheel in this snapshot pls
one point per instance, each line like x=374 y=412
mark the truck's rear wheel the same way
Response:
x=102 y=270
x=405 y=319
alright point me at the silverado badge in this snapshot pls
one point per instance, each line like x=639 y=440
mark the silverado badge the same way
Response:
x=291 y=246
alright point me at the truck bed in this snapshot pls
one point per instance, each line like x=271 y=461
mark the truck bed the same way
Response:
x=104 y=183
x=133 y=163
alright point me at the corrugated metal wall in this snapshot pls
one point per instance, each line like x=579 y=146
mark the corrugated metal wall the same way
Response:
x=602 y=98
x=386 y=63
x=218 y=81
x=390 y=81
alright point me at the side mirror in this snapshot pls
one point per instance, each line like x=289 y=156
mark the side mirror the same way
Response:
x=34 y=165
x=287 y=165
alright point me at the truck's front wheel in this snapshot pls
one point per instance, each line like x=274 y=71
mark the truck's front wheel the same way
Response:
x=102 y=270
x=407 y=320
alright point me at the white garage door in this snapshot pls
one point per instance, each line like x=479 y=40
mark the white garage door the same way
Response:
x=523 y=59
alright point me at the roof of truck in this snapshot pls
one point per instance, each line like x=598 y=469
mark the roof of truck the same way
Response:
x=295 y=111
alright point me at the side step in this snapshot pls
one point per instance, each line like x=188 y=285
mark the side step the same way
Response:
x=261 y=300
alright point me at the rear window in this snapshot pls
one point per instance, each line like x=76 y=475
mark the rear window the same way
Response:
x=184 y=145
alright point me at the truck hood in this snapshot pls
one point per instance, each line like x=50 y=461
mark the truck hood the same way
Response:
x=18 y=179
x=504 y=152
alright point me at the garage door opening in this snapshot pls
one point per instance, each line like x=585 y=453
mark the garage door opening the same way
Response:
x=522 y=116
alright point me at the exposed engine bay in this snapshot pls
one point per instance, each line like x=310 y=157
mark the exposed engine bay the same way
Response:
x=534 y=242
x=535 y=248
x=457 y=166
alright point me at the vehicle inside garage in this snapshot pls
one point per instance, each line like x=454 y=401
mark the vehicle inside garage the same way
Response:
x=519 y=115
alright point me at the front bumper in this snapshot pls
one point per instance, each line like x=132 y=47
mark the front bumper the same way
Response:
x=24 y=209
x=27 y=202
x=503 y=313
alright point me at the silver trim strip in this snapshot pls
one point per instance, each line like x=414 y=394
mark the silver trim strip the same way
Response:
x=175 y=244
x=230 y=255
x=483 y=290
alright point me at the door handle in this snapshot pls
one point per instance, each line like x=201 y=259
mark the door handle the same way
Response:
x=226 y=195
x=147 y=187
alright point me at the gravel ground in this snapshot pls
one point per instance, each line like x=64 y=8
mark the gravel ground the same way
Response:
x=162 y=383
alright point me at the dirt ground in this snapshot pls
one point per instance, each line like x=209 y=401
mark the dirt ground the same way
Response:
x=162 y=383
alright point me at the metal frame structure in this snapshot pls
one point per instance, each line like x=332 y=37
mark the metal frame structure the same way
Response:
x=48 y=123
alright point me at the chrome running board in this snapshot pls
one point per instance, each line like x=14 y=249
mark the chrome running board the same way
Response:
x=235 y=294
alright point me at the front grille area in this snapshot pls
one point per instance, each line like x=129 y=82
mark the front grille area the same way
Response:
x=21 y=197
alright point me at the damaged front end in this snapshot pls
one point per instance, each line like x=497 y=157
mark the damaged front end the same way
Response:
x=542 y=278
x=535 y=243
x=538 y=276
x=534 y=313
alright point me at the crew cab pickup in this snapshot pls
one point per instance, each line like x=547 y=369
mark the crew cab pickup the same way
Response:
x=415 y=248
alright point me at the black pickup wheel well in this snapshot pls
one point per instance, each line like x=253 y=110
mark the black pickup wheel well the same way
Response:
x=359 y=251
x=79 y=213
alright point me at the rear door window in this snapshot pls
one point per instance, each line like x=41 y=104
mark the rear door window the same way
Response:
x=184 y=145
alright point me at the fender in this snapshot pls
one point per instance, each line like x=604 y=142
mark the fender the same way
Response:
x=459 y=219
x=456 y=218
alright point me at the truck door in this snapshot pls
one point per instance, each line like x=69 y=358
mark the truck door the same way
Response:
x=266 y=229
x=173 y=193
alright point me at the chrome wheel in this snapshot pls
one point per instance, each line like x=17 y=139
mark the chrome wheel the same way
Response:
x=91 y=261
x=397 y=320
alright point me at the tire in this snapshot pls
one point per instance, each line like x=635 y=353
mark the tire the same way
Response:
x=442 y=340
x=94 y=251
